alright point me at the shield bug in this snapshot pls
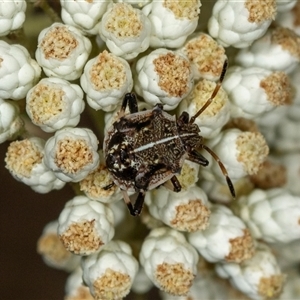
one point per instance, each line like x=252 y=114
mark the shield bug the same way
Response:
x=145 y=149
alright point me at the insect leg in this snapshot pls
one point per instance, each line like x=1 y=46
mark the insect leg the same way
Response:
x=176 y=184
x=130 y=100
x=109 y=186
x=222 y=167
x=139 y=202
x=213 y=94
x=196 y=157
x=128 y=203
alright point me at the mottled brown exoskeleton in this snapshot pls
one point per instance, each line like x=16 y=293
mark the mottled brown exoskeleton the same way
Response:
x=145 y=149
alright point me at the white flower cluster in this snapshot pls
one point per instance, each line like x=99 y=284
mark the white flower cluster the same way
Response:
x=227 y=121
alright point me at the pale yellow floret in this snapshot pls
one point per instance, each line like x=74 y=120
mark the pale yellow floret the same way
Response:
x=124 y=21
x=252 y=151
x=287 y=39
x=51 y=247
x=271 y=287
x=45 y=102
x=174 y=74
x=58 y=43
x=112 y=285
x=22 y=157
x=261 y=11
x=174 y=278
x=278 y=88
x=72 y=155
x=82 y=293
x=107 y=72
x=206 y=54
x=81 y=237
x=242 y=248
x=183 y=9
x=191 y=216
x=188 y=175
x=201 y=92
x=93 y=185
x=270 y=175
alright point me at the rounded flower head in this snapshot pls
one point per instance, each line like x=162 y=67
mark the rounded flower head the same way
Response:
x=53 y=251
x=169 y=260
x=12 y=15
x=10 y=122
x=105 y=80
x=18 y=72
x=125 y=30
x=239 y=24
x=24 y=160
x=172 y=21
x=206 y=56
x=54 y=103
x=72 y=153
x=277 y=50
x=62 y=51
x=110 y=273
x=254 y=91
x=85 y=15
x=85 y=225
x=164 y=76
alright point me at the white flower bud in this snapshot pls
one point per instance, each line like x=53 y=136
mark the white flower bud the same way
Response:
x=172 y=21
x=158 y=76
x=242 y=153
x=141 y=284
x=185 y=211
x=53 y=251
x=290 y=18
x=215 y=116
x=12 y=15
x=72 y=153
x=135 y=3
x=206 y=56
x=272 y=215
x=54 y=103
x=105 y=80
x=169 y=260
x=125 y=30
x=85 y=15
x=85 y=226
x=10 y=121
x=18 y=72
x=75 y=288
x=277 y=50
x=239 y=24
x=110 y=273
x=285 y=5
x=258 y=277
x=226 y=238
x=254 y=91
x=62 y=51
x=24 y=160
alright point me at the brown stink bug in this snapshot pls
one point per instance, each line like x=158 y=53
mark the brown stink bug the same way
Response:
x=145 y=149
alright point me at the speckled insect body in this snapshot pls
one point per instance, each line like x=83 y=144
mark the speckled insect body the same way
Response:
x=145 y=149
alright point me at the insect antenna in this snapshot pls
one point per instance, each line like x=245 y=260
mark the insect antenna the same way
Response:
x=213 y=95
x=222 y=167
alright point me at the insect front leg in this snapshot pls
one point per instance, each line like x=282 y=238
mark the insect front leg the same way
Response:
x=135 y=209
x=130 y=100
x=176 y=184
